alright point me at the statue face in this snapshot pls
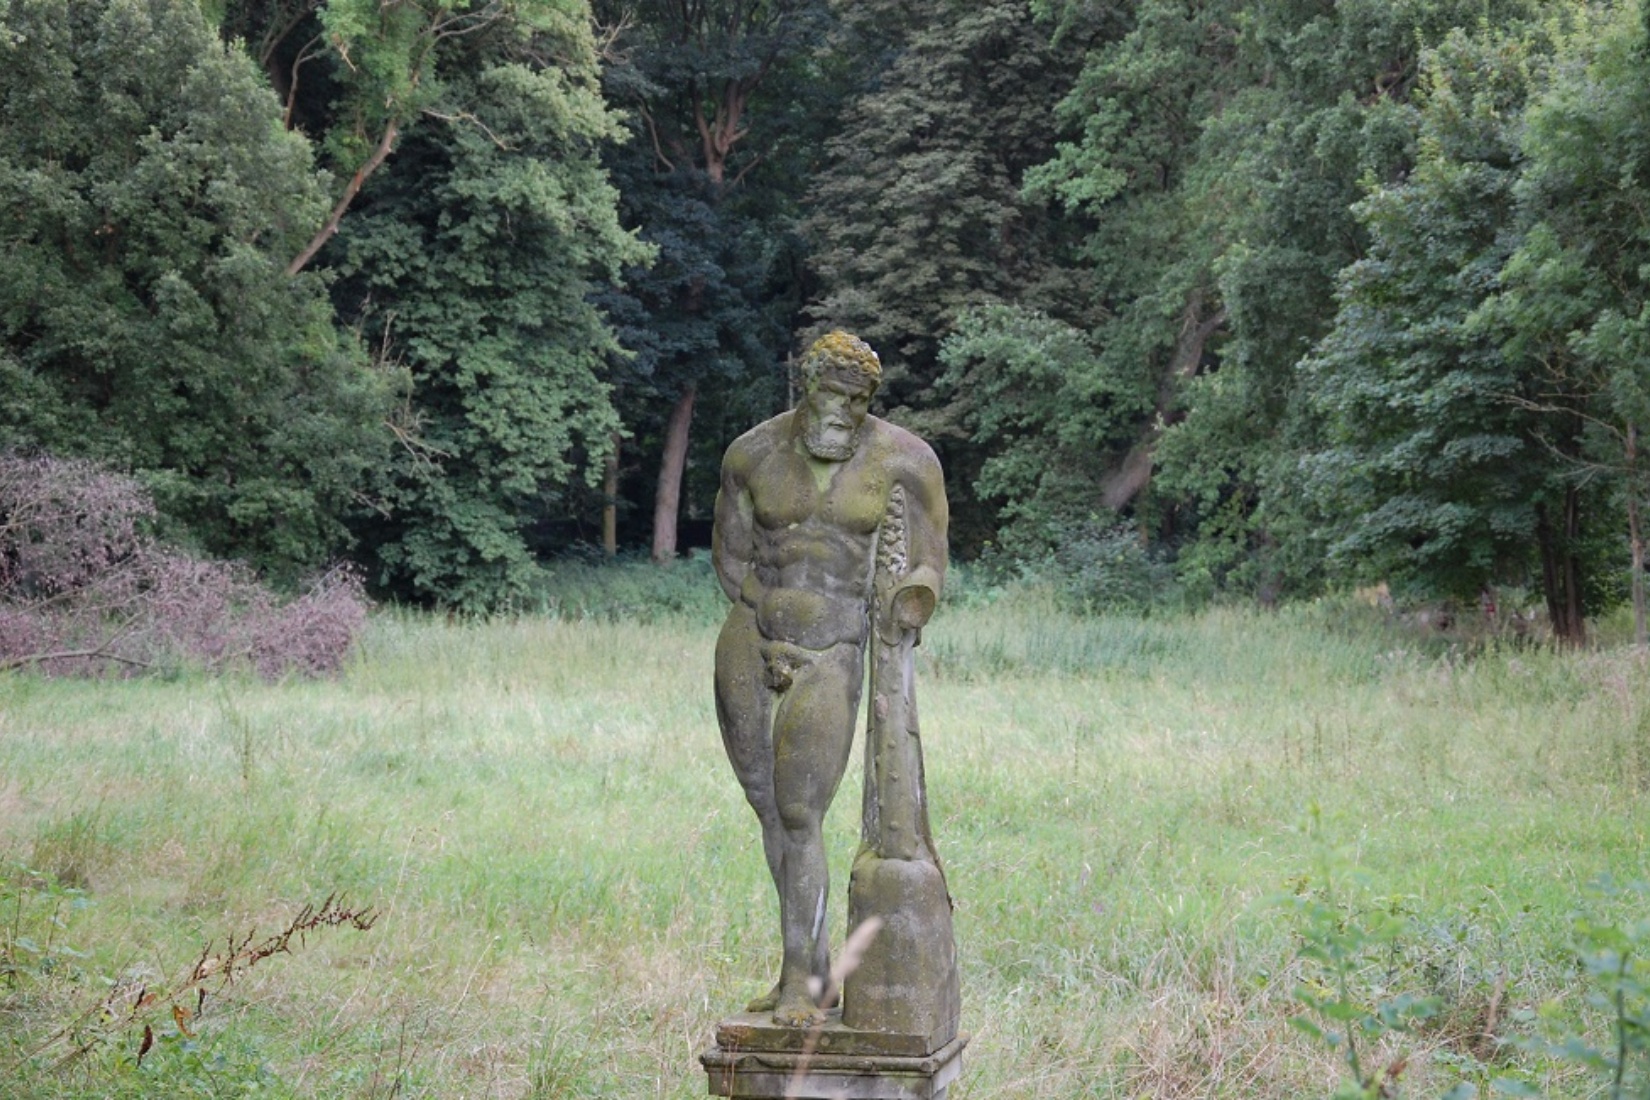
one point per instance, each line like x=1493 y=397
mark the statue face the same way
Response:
x=832 y=412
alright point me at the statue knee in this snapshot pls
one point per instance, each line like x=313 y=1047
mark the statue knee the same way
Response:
x=800 y=821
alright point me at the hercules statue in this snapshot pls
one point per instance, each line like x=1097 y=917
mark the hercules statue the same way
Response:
x=803 y=498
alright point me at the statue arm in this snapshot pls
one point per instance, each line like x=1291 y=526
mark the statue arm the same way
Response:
x=732 y=541
x=926 y=518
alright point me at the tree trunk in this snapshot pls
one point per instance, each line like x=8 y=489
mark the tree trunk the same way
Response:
x=1561 y=570
x=668 y=498
x=610 y=496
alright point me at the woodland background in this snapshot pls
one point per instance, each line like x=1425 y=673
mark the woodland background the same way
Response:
x=1195 y=298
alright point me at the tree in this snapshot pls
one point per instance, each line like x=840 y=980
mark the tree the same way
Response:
x=472 y=258
x=150 y=202
x=357 y=73
x=918 y=213
x=1573 y=308
x=1429 y=476
x=700 y=80
x=1222 y=147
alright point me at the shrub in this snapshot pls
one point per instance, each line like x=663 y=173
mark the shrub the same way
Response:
x=84 y=591
x=578 y=587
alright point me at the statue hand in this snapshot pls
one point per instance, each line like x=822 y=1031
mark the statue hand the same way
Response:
x=910 y=608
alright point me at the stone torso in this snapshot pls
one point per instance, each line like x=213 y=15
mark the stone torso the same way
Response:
x=813 y=527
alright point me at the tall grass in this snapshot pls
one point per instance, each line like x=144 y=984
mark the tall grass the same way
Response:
x=570 y=889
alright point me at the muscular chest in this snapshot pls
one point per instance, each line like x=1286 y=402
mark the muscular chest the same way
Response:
x=790 y=491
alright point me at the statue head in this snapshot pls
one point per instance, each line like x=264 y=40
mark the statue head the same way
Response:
x=840 y=373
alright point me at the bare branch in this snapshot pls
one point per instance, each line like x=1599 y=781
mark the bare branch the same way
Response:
x=214 y=971
x=272 y=40
x=743 y=172
x=304 y=54
x=379 y=155
x=99 y=653
x=653 y=132
x=607 y=37
x=462 y=23
x=1525 y=403
x=466 y=116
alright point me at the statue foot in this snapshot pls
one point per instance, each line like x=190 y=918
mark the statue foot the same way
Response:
x=798 y=1012
x=765 y=1003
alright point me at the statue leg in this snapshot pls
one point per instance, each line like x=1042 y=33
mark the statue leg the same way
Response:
x=744 y=710
x=813 y=732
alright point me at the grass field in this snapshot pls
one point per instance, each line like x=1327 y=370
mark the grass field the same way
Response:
x=1144 y=823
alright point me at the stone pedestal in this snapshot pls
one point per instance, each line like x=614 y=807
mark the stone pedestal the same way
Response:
x=755 y=1059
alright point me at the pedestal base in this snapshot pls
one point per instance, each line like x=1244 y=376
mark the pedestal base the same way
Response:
x=754 y=1059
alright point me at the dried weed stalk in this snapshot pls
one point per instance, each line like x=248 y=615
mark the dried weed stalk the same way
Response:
x=129 y=1007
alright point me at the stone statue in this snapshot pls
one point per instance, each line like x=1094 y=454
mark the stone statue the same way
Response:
x=830 y=540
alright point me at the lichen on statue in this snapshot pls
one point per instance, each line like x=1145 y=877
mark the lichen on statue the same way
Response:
x=841 y=353
x=803 y=508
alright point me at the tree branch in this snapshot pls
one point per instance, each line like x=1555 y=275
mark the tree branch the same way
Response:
x=100 y=653
x=743 y=172
x=653 y=132
x=273 y=39
x=379 y=155
x=468 y=22
x=304 y=55
x=466 y=116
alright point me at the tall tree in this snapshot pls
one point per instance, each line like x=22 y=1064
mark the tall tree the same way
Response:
x=700 y=79
x=471 y=259
x=918 y=212
x=151 y=201
x=1573 y=307
x=1223 y=145
x=1430 y=474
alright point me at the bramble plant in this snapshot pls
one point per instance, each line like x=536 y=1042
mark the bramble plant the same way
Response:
x=1615 y=957
x=1348 y=1014
x=137 y=1022
x=83 y=590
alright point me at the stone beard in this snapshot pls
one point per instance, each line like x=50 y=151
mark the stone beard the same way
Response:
x=831 y=440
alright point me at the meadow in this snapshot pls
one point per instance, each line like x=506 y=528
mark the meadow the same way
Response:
x=1165 y=838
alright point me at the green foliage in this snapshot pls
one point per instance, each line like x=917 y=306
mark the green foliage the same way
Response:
x=577 y=589
x=355 y=74
x=1355 y=950
x=917 y=217
x=35 y=911
x=150 y=202
x=1048 y=408
x=1429 y=471
x=726 y=104
x=1223 y=146
x=1351 y=1008
x=917 y=213
x=1485 y=369
x=1614 y=953
x=709 y=310
x=471 y=257
x=1571 y=306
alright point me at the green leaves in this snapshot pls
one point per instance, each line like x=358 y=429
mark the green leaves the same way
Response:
x=471 y=256
x=1431 y=458
x=150 y=198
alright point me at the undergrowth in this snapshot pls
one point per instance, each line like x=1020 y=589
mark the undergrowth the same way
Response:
x=572 y=889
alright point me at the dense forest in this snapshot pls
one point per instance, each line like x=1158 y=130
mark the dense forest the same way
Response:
x=1247 y=297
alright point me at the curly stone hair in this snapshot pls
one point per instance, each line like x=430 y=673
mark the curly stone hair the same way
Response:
x=842 y=352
